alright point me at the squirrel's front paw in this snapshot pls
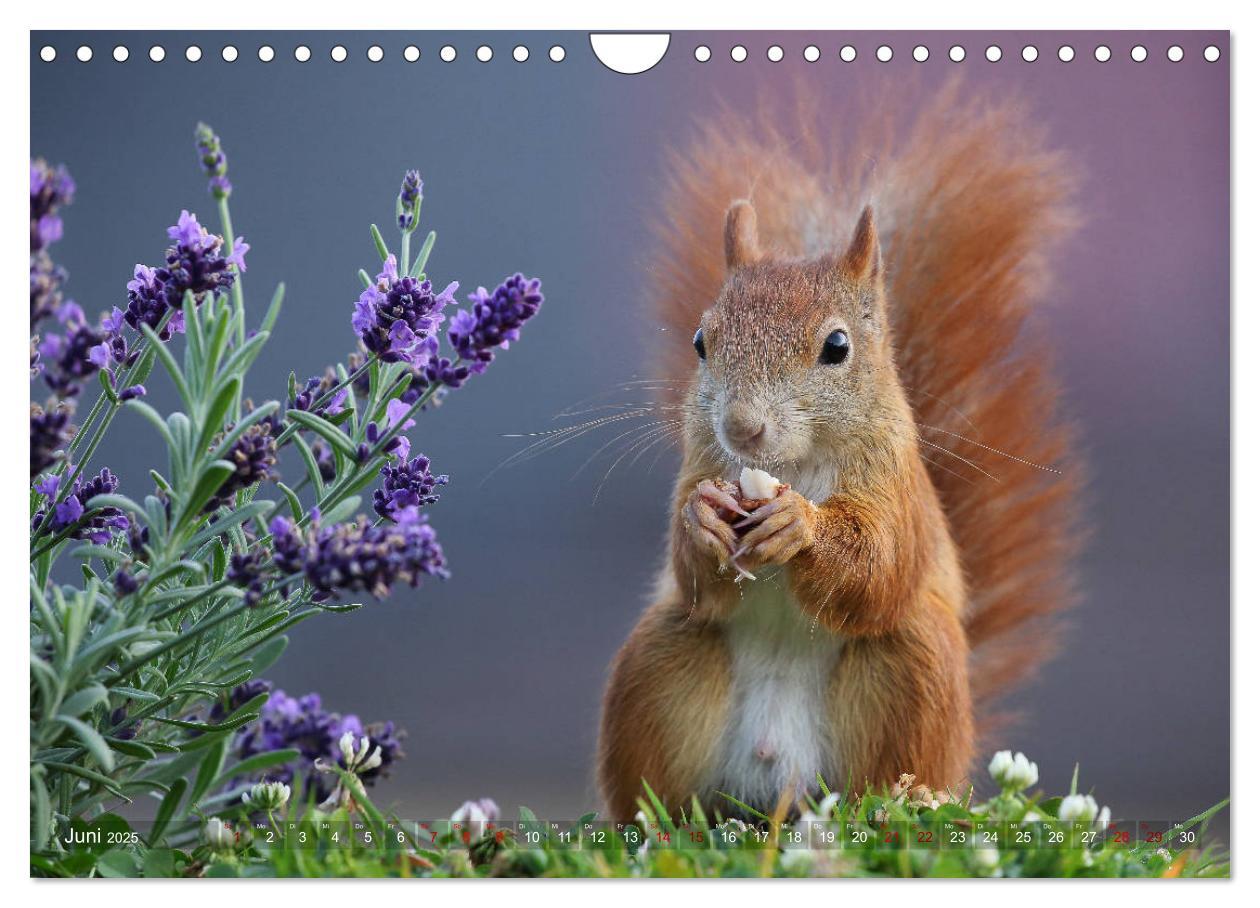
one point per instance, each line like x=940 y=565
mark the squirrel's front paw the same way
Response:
x=778 y=531
x=703 y=523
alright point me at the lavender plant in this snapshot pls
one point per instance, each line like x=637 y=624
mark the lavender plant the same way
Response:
x=146 y=668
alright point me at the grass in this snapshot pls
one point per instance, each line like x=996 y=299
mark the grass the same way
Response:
x=878 y=834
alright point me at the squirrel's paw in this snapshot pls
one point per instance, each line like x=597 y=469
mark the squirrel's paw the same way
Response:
x=779 y=530
x=701 y=518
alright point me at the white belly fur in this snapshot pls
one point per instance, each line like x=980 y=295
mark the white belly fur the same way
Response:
x=781 y=664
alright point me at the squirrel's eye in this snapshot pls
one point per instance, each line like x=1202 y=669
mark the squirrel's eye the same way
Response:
x=698 y=343
x=835 y=349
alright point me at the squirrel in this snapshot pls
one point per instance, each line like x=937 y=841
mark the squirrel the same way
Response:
x=867 y=338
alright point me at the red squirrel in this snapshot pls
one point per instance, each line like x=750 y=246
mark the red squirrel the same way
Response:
x=866 y=339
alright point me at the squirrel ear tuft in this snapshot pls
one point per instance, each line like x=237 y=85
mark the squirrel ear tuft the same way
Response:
x=742 y=247
x=861 y=261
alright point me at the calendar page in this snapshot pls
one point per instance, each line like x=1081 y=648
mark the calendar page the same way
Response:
x=661 y=454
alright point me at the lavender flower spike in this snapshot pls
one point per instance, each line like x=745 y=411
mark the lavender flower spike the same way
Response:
x=397 y=318
x=51 y=187
x=409 y=198
x=406 y=485
x=213 y=161
x=495 y=319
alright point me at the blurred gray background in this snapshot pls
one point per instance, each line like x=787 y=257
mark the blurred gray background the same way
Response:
x=551 y=168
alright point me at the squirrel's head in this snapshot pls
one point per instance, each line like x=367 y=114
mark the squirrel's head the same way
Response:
x=795 y=356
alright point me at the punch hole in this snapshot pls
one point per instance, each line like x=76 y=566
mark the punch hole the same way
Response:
x=1175 y=53
x=84 y=53
x=485 y=53
x=375 y=53
x=48 y=53
x=556 y=53
x=883 y=53
x=627 y=54
x=411 y=53
x=447 y=53
x=121 y=53
x=920 y=53
x=302 y=53
x=338 y=54
x=1102 y=53
x=192 y=53
x=1029 y=53
x=993 y=53
x=229 y=53
x=812 y=54
x=1211 y=53
x=703 y=54
x=266 y=53
x=958 y=53
x=520 y=53
x=1138 y=53
x=848 y=53
x=774 y=53
x=739 y=53
x=1067 y=53
x=157 y=53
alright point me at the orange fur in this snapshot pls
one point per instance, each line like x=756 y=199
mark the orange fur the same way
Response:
x=942 y=581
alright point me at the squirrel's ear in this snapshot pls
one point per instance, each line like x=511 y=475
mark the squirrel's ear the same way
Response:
x=742 y=247
x=861 y=261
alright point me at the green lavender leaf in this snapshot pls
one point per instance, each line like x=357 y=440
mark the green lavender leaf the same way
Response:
x=90 y=738
x=167 y=809
x=422 y=257
x=381 y=249
x=325 y=430
x=81 y=701
x=227 y=395
x=273 y=310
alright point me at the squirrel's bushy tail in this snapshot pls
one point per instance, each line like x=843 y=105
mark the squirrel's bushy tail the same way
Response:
x=969 y=202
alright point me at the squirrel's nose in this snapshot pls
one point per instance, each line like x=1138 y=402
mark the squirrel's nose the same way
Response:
x=745 y=431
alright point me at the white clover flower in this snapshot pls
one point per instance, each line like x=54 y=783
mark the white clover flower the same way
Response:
x=267 y=796
x=219 y=835
x=479 y=811
x=826 y=807
x=1078 y=808
x=1104 y=817
x=358 y=761
x=1012 y=773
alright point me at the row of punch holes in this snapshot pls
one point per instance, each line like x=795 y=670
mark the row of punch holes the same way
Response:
x=302 y=53
x=703 y=53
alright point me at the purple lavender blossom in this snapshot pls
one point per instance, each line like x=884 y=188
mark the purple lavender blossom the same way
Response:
x=238 y=697
x=213 y=161
x=194 y=262
x=47 y=279
x=397 y=318
x=406 y=485
x=51 y=431
x=358 y=556
x=311 y=396
x=409 y=198
x=125 y=582
x=304 y=724
x=246 y=570
x=51 y=188
x=495 y=320
x=74 y=356
x=99 y=527
x=399 y=446
x=254 y=457
x=324 y=460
